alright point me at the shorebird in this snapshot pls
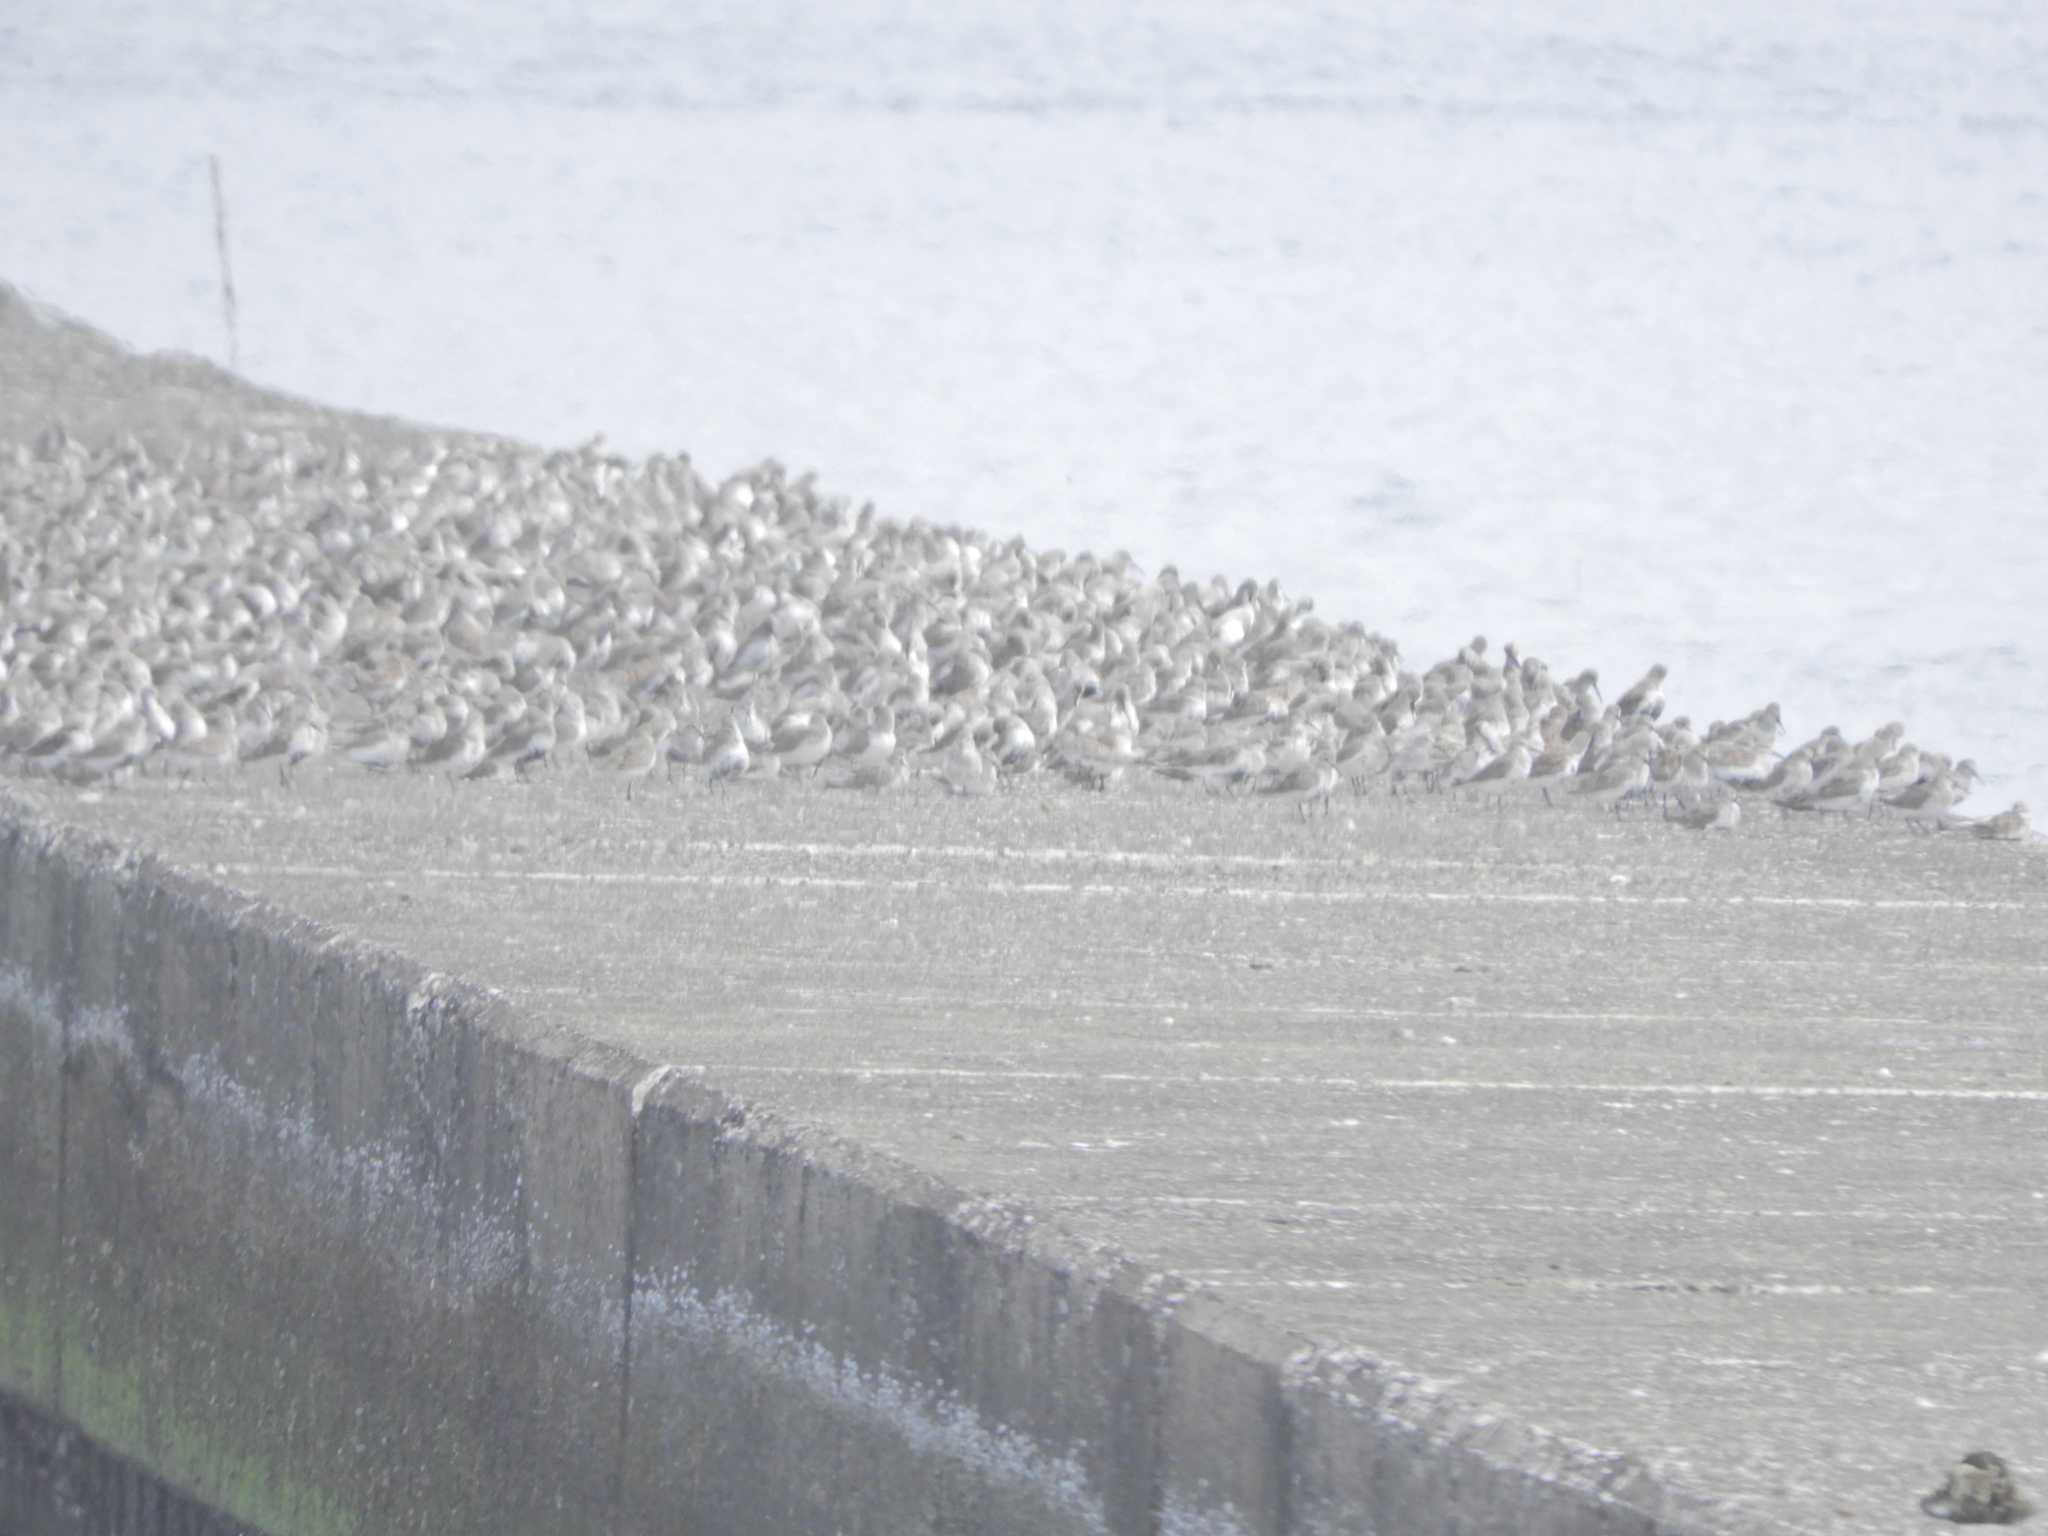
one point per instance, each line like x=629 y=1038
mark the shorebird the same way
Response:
x=306 y=740
x=1646 y=698
x=871 y=744
x=1509 y=769
x=572 y=724
x=801 y=739
x=871 y=776
x=380 y=747
x=686 y=747
x=728 y=759
x=1928 y=803
x=1979 y=1490
x=642 y=748
x=1740 y=760
x=1013 y=745
x=1626 y=776
x=1558 y=762
x=1850 y=790
x=1966 y=778
x=1363 y=754
x=1694 y=781
x=455 y=753
x=1792 y=779
x=528 y=738
x=636 y=757
x=1220 y=767
x=2007 y=826
x=962 y=771
x=114 y=749
x=1304 y=784
x=1717 y=816
x=1898 y=771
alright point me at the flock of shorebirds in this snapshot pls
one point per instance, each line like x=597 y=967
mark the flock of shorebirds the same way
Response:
x=491 y=611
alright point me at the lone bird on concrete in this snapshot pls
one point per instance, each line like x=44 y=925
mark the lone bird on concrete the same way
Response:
x=1979 y=1490
x=2007 y=826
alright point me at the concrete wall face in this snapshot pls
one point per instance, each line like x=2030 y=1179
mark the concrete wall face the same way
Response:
x=857 y=1334
x=327 y=1248
x=33 y=898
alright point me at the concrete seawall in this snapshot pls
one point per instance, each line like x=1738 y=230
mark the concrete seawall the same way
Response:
x=338 y=1244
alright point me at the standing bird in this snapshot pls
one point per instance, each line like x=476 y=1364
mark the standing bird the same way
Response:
x=802 y=740
x=729 y=758
x=1646 y=698
x=635 y=758
x=1304 y=784
x=114 y=749
x=1928 y=803
x=962 y=771
x=528 y=739
x=873 y=744
x=308 y=739
x=1509 y=769
x=1625 y=776
x=455 y=753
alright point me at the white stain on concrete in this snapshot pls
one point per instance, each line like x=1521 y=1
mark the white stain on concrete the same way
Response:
x=1394 y=1084
x=106 y=1028
x=933 y=1425
x=1116 y=891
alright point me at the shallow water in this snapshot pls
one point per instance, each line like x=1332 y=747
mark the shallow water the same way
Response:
x=1629 y=336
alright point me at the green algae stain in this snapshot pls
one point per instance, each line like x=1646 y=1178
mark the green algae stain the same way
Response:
x=28 y=1345
x=205 y=1459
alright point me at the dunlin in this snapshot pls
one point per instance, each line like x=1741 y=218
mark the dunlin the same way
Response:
x=802 y=740
x=455 y=753
x=728 y=757
x=872 y=743
x=1306 y=784
x=1851 y=789
x=2007 y=826
x=1716 y=816
x=962 y=770
x=1626 y=776
x=1646 y=697
x=306 y=741
x=380 y=747
x=1790 y=780
x=1927 y=804
x=1509 y=769
x=1222 y=766
x=1558 y=763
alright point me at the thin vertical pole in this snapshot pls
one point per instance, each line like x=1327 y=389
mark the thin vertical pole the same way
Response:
x=227 y=277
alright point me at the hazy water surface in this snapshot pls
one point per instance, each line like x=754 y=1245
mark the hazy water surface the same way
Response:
x=1629 y=333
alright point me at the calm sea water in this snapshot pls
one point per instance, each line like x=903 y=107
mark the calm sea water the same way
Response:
x=1710 y=335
